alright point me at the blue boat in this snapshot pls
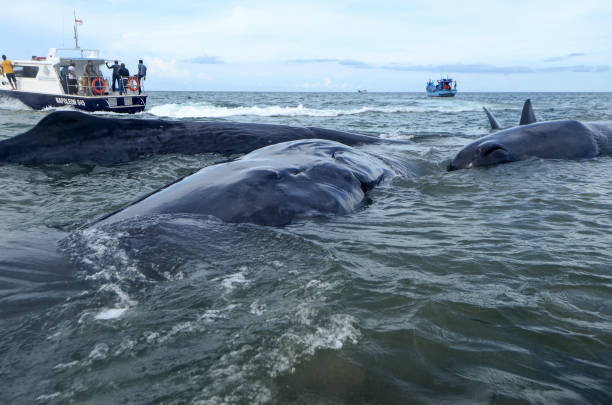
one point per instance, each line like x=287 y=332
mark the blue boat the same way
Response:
x=442 y=88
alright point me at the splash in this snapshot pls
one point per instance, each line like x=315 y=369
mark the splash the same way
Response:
x=12 y=104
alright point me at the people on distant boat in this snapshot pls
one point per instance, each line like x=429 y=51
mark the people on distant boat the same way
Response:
x=7 y=69
x=91 y=73
x=142 y=75
x=72 y=79
x=124 y=75
x=115 y=68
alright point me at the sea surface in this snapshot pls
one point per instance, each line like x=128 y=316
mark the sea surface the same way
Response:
x=489 y=285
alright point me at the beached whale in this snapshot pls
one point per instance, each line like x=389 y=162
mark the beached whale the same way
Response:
x=563 y=139
x=71 y=136
x=271 y=186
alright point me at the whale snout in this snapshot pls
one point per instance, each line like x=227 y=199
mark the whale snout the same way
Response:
x=480 y=154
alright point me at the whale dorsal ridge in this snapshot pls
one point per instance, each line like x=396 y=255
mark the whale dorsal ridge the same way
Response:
x=492 y=120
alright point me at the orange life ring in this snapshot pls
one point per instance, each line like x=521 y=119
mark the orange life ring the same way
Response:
x=132 y=83
x=98 y=85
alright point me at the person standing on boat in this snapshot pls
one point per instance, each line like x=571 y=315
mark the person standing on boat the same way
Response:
x=7 y=68
x=91 y=73
x=72 y=79
x=64 y=78
x=115 y=68
x=142 y=74
x=124 y=75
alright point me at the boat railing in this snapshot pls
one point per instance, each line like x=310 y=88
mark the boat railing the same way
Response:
x=131 y=84
x=97 y=86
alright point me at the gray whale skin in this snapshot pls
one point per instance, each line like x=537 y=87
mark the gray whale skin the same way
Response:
x=72 y=136
x=270 y=186
x=563 y=139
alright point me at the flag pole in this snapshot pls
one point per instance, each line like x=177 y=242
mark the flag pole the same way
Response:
x=76 y=32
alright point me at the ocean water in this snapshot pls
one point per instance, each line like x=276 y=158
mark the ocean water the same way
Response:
x=490 y=285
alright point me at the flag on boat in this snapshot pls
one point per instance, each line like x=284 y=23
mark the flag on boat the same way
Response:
x=80 y=22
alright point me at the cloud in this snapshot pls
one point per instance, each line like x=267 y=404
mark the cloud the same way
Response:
x=165 y=68
x=467 y=68
x=354 y=63
x=565 y=57
x=320 y=60
x=577 y=69
x=204 y=60
x=460 y=68
x=326 y=83
x=344 y=62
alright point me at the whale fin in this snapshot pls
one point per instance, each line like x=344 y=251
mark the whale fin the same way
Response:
x=527 y=116
x=492 y=120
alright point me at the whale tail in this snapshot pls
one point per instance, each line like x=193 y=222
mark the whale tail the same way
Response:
x=492 y=120
x=527 y=116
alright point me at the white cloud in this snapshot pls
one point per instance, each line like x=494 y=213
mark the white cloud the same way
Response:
x=167 y=69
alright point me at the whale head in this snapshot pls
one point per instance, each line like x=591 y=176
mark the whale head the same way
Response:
x=484 y=152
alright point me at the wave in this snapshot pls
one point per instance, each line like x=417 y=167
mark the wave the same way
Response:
x=205 y=110
x=12 y=104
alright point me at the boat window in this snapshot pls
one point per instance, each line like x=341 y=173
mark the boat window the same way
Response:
x=25 y=71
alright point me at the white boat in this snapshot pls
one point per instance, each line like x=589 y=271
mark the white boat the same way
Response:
x=40 y=83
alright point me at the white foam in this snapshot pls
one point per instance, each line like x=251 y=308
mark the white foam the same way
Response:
x=183 y=327
x=207 y=110
x=124 y=299
x=49 y=397
x=12 y=104
x=126 y=345
x=63 y=366
x=256 y=308
x=396 y=134
x=212 y=315
x=231 y=281
x=112 y=313
x=60 y=108
x=243 y=373
x=296 y=346
x=99 y=352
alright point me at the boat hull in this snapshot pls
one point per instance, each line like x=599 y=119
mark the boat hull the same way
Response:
x=442 y=93
x=129 y=104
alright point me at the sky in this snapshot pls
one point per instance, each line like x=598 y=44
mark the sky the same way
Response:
x=314 y=45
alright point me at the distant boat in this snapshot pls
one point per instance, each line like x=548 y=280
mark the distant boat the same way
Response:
x=442 y=88
x=362 y=91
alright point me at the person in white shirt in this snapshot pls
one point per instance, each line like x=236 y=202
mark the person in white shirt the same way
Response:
x=72 y=79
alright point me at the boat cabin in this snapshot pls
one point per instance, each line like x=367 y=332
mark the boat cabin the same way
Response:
x=49 y=75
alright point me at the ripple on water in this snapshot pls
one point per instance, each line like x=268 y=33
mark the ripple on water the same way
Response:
x=475 y=286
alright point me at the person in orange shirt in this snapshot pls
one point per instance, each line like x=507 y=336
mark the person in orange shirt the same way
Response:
x=7 y=68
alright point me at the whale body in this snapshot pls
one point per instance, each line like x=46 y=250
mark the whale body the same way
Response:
x=562 y=139
x=271 y=186
x=71 y=136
